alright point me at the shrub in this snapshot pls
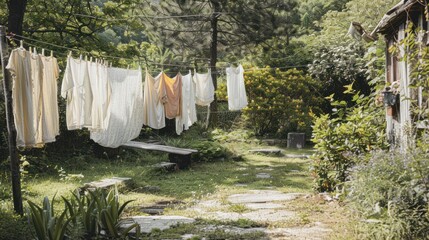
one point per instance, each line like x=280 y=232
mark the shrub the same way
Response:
x=391 y=192
x=281 y=102
x=339 y=138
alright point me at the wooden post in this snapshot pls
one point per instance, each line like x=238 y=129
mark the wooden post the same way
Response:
x=13 y=155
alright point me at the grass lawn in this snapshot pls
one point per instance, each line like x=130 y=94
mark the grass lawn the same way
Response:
x=219 y=177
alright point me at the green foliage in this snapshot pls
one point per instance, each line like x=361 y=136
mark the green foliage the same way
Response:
x=391 y=192
x=209 y=151
x=337 y=66
x=281 y=102
x=47 y=225
x=340 y=138
x=95 y=215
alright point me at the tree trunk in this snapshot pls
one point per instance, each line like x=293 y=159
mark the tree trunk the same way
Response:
x=16 y=15
x=213 y=58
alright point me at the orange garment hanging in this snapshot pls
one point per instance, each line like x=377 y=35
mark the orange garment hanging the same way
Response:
x=170 y=93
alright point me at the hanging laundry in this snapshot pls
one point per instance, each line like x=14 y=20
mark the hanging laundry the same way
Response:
x=34 y=97
x=171 y=91
x=189 y=112
x=36 y=69
x=22 y=97
x=153 y=106
x=204 y=89
x=76 y=88
x=236 y=89
x=101 y=91
x=126 y=113
x=50 y=117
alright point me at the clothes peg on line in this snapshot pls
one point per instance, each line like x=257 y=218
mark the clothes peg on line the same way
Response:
x=52 y=53
x=34 y=51
x=90 y=59
x=21 y=44
x=81 y=57
x=30 y=49
x=70 y=53
x=43 y=52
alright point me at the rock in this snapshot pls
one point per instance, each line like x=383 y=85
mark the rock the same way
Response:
x=240 y=185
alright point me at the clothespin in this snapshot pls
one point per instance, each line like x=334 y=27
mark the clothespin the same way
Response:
x=43 y=52
x=30 y=49
x=110 y=64
x=34 y=51
x=81 y=57
x=90 y=59
x=21 y=44
x=86 y=57
x=52 y=53
x=70 y=53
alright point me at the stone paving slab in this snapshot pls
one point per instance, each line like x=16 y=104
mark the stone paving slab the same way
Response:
x=267 y=205
x=260 y=215
x=303 y=156
x=147 y=223
x=260 y=196
x=263 y=175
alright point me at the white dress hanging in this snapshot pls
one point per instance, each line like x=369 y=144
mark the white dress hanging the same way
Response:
x=237 y=98
x=189 y=112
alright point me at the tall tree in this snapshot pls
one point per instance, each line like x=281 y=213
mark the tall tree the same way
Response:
x=216 y=28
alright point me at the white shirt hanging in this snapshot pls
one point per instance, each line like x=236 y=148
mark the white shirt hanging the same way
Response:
x=204 y=89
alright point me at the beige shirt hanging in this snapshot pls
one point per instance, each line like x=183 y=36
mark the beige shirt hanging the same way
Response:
x=22 y=97
x=36 y=79
x=50 y=117
x=153 y=107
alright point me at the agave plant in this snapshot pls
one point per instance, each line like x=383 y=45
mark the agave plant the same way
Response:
x=46 y=225
x=110 y=212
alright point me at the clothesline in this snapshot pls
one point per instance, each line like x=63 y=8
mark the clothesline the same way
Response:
x=148 y=16
x=139 y=59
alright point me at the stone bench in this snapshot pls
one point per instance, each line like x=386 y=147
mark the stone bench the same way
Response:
x=179 y=156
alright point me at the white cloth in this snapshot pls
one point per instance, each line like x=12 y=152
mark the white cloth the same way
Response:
x=50 y=116
x=76 y=88
x=204 y=89
x=189 y=112
x=153 y=107
x=236 y=89
x=101 y=90
x=126 y=113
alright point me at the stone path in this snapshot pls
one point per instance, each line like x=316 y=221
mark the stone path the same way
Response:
x=263 y=206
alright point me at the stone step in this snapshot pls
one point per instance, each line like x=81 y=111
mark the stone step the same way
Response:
x=106 y=183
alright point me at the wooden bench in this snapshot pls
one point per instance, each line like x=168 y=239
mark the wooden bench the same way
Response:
x=179 y=156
